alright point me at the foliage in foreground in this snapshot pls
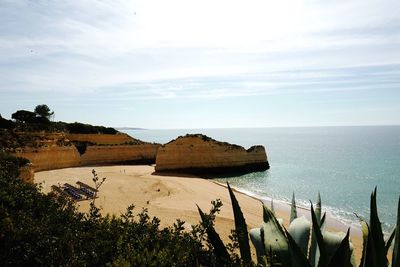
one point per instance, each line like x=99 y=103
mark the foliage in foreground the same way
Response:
x=38 y=229
x=307 y=244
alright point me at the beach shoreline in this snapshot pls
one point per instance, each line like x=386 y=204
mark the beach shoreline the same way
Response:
x=175 y=197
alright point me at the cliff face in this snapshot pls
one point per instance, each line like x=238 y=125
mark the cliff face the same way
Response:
x=49 y=158
x=201 y=154
x=95 y=155
x=48 y=151
x=56 y=157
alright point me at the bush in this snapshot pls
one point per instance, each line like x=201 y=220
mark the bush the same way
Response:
x=80 y=128
x=38 y=229
x=6 y=124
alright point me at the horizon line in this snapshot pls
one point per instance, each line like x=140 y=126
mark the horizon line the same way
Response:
x=258 y=127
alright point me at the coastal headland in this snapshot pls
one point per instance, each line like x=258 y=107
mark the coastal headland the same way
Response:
x=200 y=154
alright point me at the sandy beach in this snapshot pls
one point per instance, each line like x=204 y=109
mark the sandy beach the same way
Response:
x=171 y=197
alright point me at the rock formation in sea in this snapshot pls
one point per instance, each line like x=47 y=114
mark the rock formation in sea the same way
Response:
x=199 y=154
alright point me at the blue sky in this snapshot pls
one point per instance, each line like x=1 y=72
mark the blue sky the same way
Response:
x=203 y=64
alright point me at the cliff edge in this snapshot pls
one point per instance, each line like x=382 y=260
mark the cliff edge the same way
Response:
x=48 y=151
x=199 y=154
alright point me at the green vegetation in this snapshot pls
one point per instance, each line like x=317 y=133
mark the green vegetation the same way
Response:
x=45 y=230
x=81 y=128
x=43 y=111
x=39 y=120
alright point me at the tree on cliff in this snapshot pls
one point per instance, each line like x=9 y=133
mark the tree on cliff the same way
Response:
x=4 y=123
x=24 y=116
x=43 y=111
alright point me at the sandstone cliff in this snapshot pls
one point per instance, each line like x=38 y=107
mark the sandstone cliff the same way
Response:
x=55 y=151
x=201 y=154
x=56 y=157
x=49 y=158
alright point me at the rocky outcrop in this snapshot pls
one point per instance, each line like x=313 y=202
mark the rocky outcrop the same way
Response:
x=57 y=157
x=201 y=154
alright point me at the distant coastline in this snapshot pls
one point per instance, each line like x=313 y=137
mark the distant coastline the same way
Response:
x=129 y=128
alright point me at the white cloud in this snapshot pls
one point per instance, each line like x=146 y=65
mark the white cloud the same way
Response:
x=80 y=46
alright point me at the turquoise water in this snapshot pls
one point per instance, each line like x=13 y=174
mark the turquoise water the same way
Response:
x=344 y=164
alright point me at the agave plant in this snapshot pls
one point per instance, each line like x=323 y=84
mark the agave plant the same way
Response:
x=305 y=243
x=375 y=248
x=295 y=247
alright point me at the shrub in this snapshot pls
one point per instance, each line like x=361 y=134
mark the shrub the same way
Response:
x=81 y=128
x=45 y=230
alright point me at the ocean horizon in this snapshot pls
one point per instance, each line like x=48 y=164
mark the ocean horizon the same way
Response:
x=342 y=163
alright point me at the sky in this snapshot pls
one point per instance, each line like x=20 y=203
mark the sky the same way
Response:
x=203 y=64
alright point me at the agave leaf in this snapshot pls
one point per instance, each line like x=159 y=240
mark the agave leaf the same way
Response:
x=215 y=240
x=376 y=232
x=374 y=247
x=332 y=242
x=318 y=209
x=396 y=247
x=323 y=259
x=299 y=259
x=258 y=243
x=314 y=253
x=322 y=222
x=389 y=241
x=299 y=230
x=365 y=231
x=275 y=238
x=371 y=258
x=241 y=228
x=293 y=210
x=342 y=254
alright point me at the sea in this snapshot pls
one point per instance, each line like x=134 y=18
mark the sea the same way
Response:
x=343 y=164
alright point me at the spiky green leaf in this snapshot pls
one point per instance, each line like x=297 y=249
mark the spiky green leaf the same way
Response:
x=219 y=247
x=241 y=228
x=299 y=259
x=258 y=243
x=314 y=253
x=365 y=233
x=275 y=239
x=389 y=241
x=376 y=232
x=318 y=209
x=322 y=222
x=323 y=259
x=342 y=255
x=293 y=209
